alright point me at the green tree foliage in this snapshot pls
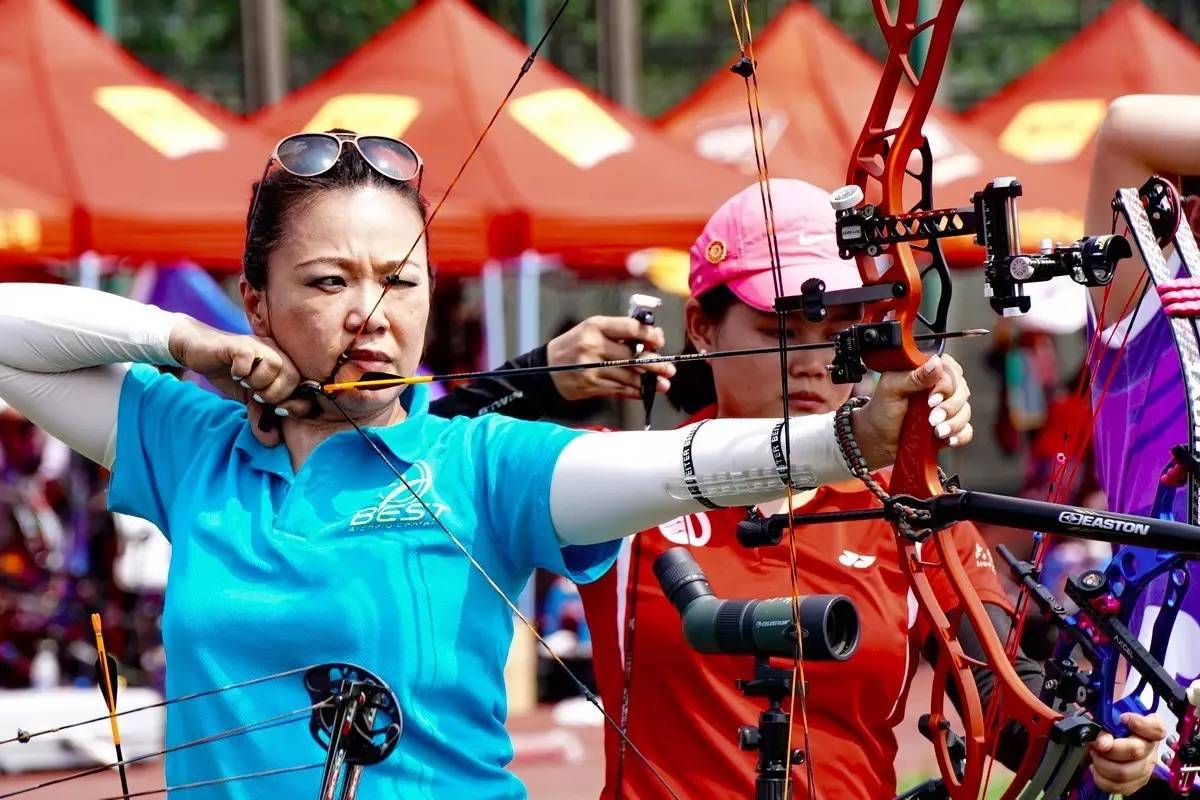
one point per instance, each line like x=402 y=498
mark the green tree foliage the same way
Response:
x=198 y=42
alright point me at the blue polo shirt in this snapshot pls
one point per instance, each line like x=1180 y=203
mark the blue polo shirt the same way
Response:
x=272 y=570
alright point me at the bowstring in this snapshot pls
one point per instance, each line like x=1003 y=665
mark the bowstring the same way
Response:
x=584 y=691
x=744 y=34
x=274 y=721
x=1139 y=292
x=630 y=632
x=24 y=737
x=390 y=282
x=341 y=361
x=1059 y=481
x=345 y=357
x=1069 y=458
x=1072 y=452
x=266 y=773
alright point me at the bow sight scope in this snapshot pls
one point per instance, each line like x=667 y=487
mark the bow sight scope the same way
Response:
x=1090 y=261
x=828 y=622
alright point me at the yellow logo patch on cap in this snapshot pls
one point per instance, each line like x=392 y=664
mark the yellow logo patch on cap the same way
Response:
x=715 y=252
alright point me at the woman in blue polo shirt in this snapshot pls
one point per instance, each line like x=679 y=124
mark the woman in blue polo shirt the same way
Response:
x=299 y=544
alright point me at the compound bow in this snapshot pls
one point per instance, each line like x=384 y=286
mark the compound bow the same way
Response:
x=353 y=716
x=878 y=235
x=1108 y=600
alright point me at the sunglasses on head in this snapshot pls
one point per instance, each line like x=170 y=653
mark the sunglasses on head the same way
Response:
x=307 y=155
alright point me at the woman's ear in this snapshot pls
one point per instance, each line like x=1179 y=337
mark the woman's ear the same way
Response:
x=254 y=301
x=700 y=327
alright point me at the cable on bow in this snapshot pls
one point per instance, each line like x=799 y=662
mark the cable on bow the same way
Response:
x=330 y=387
x=353 y=716
x=747 y=67
x=876 y=225
x=1107 y=600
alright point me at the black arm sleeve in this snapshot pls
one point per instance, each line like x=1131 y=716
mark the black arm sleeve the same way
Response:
x=522 y=396
x=1013 y=740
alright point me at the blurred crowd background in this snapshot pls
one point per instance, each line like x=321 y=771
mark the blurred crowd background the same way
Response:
x=128 y=160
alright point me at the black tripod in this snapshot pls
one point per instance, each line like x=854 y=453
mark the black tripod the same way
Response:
x=770 y=738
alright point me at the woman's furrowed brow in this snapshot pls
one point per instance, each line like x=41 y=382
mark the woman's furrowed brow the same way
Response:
x=336 y=261
x=350 y=264
x=388 y=269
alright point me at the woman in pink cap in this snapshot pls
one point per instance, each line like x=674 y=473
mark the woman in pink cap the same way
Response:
x=647 y=672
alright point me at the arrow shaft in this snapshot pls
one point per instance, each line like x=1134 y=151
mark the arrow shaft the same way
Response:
x=641 y=361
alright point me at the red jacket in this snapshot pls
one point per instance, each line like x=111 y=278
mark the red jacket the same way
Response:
x=685 y=708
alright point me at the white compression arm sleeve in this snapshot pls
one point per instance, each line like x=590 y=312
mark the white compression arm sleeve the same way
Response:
x=609 y=485
x=62 y=356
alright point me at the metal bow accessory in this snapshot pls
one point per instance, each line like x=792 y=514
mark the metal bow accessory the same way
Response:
x=1099 y=664
x=884 y=209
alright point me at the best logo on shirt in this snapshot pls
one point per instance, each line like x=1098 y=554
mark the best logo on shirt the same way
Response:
x=402 y=506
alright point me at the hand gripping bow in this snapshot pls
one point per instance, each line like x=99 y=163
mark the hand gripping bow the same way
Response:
x=1121 y=674
x=891 y=298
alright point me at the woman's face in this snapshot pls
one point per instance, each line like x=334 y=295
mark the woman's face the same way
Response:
x=335 y=259
x=749 y=386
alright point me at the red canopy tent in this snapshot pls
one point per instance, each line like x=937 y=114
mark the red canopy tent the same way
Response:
x=563 y=171
x=113 y=158
x=1050 y=114
x=34 y=225
x=816 y=86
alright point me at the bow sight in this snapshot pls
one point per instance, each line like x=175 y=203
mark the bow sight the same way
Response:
x=1090 y=261
x=992 y=221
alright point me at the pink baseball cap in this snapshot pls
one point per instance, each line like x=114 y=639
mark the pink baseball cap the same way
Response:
x=733 y=249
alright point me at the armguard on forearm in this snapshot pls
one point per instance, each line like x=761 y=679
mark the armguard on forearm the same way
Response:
x=608 y=485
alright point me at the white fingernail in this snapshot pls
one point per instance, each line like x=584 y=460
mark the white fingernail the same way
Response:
x=244 y=384
x=258 y=399
x=935 y=399
x=281 y=412
x=930 y=365
x=237 y=378
x=954 y=441
x=943 y=430
x=937 y=416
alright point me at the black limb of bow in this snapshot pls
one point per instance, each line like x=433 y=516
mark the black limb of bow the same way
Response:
x=943 y=510
x=356 y=718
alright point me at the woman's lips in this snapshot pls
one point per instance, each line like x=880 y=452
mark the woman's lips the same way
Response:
x=806 y=402
x=370 y=360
